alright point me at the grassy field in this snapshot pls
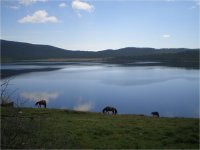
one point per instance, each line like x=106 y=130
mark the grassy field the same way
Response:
x=63 y=129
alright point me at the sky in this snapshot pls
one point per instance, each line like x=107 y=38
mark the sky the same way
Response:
x=95 y=25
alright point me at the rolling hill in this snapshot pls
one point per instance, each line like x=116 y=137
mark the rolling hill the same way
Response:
x=18 y=51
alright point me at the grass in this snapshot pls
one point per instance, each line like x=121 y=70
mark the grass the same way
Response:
x=33 y=128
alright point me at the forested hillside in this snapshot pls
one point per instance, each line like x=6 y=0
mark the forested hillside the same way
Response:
x=18 y=51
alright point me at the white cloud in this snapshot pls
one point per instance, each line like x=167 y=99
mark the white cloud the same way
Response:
x=40 y=16
x=29 y=2
x=62 y=5
x=15 y=7
x=166 y=35
x=35 y=96
x=79 y=5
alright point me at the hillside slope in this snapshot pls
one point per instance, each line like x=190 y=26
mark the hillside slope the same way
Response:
x=24 y=51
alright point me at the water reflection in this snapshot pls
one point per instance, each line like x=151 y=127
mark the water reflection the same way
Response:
x=142 y=81
x=132 y=90
x=84 y=105
x=35 y=96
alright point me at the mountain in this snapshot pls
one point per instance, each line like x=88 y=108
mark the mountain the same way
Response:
x=16 y=51
x=24 y=51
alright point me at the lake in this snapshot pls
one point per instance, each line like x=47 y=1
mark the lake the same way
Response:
x=173 y=92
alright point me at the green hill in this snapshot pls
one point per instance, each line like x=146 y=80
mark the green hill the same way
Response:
x=29 y=128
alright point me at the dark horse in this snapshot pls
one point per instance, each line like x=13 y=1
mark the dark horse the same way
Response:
x=108 y=108
x=42 y=102
x=155 y=114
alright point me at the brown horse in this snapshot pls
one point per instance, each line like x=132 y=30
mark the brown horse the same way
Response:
x=41 y=102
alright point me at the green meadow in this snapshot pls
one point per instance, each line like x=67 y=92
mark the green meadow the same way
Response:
x=34 y=128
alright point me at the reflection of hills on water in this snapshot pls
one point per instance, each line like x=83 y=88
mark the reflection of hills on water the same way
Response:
x=13 y=72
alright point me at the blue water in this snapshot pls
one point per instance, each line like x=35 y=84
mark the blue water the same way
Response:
x=173 y=92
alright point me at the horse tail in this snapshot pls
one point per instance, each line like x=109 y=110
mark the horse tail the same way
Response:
x=36 y=103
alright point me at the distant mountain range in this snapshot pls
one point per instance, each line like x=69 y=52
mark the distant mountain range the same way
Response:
x=16 y=51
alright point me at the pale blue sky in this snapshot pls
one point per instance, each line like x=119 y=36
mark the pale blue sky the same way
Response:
x=100 y=24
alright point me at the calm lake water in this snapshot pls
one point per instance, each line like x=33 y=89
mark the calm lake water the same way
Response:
x=173 y=92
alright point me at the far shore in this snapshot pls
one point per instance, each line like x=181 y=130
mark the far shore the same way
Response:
x=56 y=64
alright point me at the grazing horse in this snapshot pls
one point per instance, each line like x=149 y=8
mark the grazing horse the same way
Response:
x=41 y=102
x=108 y=108
x=155 y=114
